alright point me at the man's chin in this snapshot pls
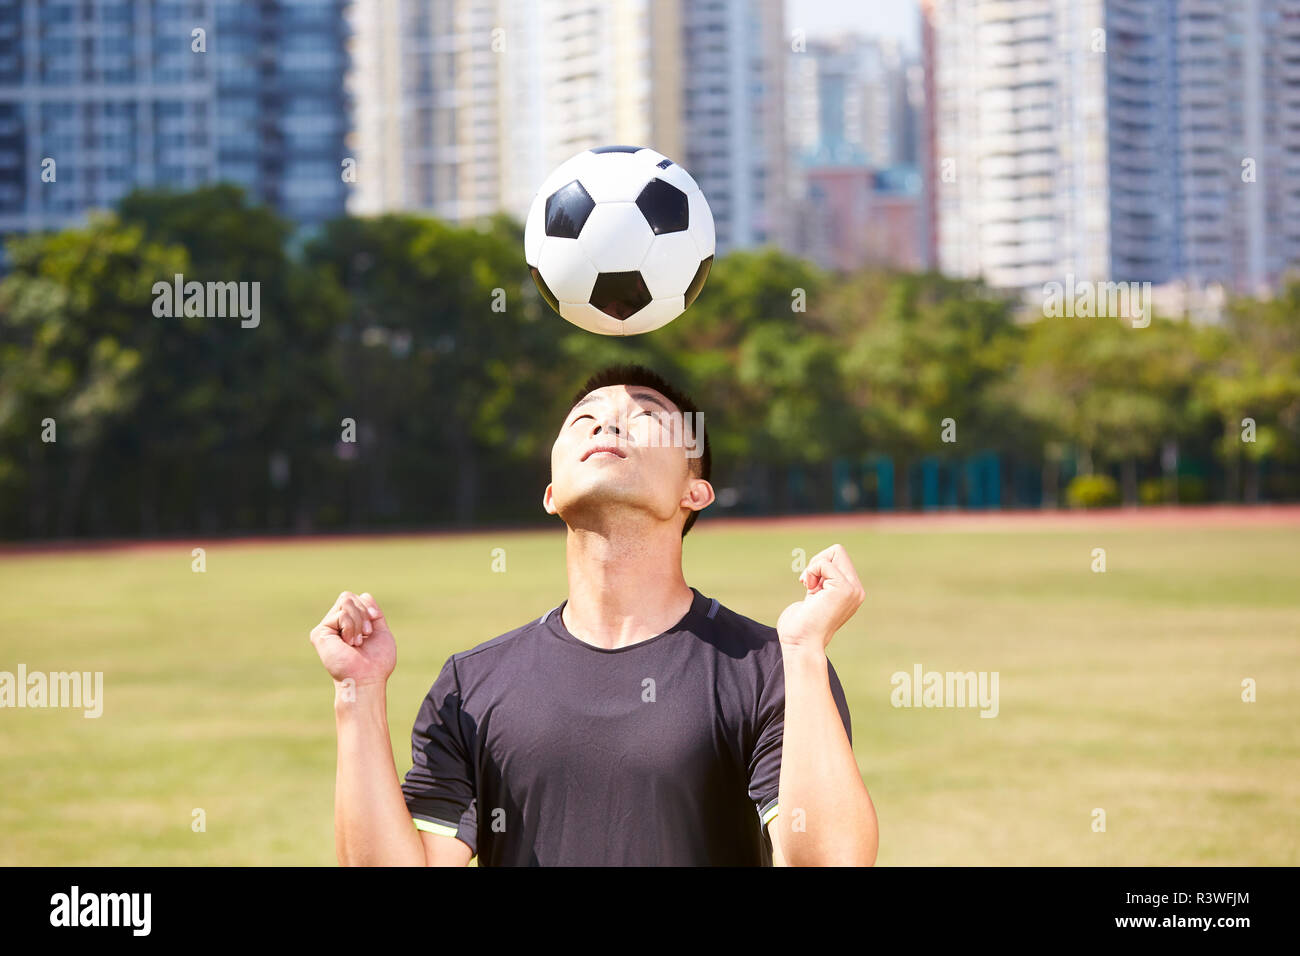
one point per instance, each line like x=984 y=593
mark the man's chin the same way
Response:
x=602 y=505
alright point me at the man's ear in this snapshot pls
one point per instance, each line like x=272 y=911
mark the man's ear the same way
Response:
x=548 y=500
x=699 y=495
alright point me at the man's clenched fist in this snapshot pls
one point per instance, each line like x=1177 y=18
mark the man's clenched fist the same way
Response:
x=833 y=594
x=353 y=640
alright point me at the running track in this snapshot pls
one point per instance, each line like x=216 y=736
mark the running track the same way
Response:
x=1191 y=516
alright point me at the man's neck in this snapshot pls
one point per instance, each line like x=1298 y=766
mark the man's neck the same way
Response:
x=625 y=583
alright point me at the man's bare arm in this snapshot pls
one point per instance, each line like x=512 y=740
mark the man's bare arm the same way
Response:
x=820 y=785
x=372 y=826
x=819 y=775
x=444 y=850
x=778 y=858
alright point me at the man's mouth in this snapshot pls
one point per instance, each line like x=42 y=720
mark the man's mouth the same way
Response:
x=603 y=450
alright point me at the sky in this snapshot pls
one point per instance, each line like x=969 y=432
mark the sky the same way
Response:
x=893 y=18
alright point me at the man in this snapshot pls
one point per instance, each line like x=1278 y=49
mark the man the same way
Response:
x=639 y=722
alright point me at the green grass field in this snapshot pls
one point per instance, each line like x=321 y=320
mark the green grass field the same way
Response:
x=1119 y=691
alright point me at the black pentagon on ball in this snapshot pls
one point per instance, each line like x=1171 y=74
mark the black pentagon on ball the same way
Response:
x=664 y=207
x=567 y=209
x=544 y=289
x=697 y=283
x=616 y=149
x=620 y=294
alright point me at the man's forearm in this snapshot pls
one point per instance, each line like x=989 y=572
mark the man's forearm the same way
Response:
x=372 y=826
x=826 y=816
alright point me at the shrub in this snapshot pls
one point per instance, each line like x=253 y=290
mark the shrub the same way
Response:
x=1151 y=491
x=1191 y=490
x=1092 y=491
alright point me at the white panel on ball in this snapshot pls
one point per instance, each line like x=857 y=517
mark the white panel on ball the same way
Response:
x=586 y=316
x=568 y=272
x=655 y=315
x=534 y=231
x=701 y=224
x=616 y=237
x=614 y=177
x=650 y=157
x=670 y=265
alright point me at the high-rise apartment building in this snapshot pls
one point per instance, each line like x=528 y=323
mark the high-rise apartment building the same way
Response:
x=853 y=116
x=464 y=106
x=1204 y=139
x=100 y=96
x=733 y=96
x=854 y=98
x=1139 y=140
x=1020 y=140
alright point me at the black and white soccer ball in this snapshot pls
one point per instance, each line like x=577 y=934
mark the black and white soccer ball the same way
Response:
x=619 y=240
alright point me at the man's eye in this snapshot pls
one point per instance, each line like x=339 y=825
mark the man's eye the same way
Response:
x=580 y=418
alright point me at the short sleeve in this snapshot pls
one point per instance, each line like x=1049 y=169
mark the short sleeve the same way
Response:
x=765 y=762
x=439 y=787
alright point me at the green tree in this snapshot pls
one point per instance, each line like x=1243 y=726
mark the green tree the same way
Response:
x=447 y=361
x=921 y=349
x=72 y=311
x=756 y=352
x=1113 y=391
x=225 y=401
x=1253 y=373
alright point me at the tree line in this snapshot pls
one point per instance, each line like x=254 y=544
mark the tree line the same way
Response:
x=404 y=372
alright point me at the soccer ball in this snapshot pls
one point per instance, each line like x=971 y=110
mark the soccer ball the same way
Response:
x=619 y=240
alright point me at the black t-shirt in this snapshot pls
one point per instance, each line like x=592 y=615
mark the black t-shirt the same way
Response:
x=536 y=748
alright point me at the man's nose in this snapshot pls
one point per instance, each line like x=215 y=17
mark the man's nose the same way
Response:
x=609 y=426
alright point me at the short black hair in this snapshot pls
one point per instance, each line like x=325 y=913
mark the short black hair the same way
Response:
x=634 y=375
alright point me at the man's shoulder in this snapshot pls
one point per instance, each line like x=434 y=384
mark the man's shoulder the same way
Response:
x=726 y=617
x=502 y=643
x=754 y=638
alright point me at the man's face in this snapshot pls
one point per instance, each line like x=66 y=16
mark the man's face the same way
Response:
x=623 y=446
